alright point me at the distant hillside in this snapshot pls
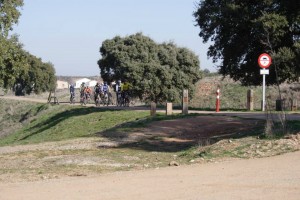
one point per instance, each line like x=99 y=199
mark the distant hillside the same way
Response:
x=234 y=96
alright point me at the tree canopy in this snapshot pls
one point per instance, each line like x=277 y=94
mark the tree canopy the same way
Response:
x=9 y=15
x=17 y=66
x=158 y=72
x=39 y=77
x=242 y=30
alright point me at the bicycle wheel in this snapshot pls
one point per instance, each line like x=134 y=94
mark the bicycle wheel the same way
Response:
x=84 y=100
x=97 y=102
x=119 y=100
x=72 y=99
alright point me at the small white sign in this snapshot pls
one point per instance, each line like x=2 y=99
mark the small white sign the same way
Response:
x=264 y=71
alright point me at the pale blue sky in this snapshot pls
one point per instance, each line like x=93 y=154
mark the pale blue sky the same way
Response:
x=69 y=33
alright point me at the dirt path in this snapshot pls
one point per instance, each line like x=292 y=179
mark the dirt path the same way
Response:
x=266 y=178
x=24 y=99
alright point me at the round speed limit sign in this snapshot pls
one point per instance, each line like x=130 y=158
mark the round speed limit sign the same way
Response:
x=264 y=60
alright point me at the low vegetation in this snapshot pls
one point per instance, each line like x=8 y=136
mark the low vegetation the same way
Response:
x=45 y=122
x=63 y=140
x=233 y=95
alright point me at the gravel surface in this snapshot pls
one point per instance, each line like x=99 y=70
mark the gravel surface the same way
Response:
x=266 y=178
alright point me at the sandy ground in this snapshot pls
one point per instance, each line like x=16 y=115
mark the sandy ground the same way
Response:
x=266 y=178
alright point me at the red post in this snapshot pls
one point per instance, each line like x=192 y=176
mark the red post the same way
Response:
x=218 y=100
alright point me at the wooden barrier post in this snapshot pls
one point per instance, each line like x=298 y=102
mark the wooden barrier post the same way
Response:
x=294 y=106
x=218 y=100
x=169 y=109
x=185 y=102
x=250 y=102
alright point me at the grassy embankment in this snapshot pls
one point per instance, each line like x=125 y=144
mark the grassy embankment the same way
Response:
x=91 y=152
x=26 y=122
x=87 y=154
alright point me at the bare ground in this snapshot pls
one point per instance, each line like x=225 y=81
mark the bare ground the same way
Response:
x=274 y=177
x=266 y=178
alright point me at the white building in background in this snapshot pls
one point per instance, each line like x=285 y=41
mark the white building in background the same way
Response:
x=62 y=84
x=88 y=82
x=92 y=83
x=83 y=80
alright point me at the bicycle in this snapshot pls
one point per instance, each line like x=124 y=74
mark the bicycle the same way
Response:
x=97 y=100
x=119 y=99
x=105 y=99
x=72 y=98
x=88 y=98
x=110 y=99
x=85 y=98
x=125 y=99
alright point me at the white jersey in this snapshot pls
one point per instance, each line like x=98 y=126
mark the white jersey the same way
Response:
x=118 y=88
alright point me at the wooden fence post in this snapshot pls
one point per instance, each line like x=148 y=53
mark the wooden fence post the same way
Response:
x=250 y=100
x=153 y=109
x=185 y=102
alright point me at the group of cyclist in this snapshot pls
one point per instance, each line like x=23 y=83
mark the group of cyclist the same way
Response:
x=103 y=90
x=123 y=92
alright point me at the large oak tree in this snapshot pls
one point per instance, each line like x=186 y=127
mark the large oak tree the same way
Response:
x=158 y=72
x=18 y=67
x=9 y=15
x=241 y=30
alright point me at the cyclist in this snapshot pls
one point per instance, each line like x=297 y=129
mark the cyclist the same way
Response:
x=105 y=88
x=125 y=88
x=87 y=92
x=105 y=95
x=118 y=91
x=72 y=92
x=97 y=91
x=82 y=88
x=118 y=86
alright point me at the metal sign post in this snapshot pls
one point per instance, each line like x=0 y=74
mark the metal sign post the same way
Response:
x=264 y=61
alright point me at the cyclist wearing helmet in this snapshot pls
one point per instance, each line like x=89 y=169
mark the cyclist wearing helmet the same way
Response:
x=126 y=86
x=72 y=93
x=97 y=91
x=87 y=91
x=72 y=89
x=118 y=86
x=82 y=87
x=118 y=90
x=105 y=88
